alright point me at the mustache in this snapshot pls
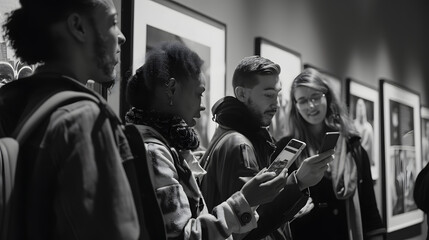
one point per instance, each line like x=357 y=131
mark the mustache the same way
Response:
x=272 y=110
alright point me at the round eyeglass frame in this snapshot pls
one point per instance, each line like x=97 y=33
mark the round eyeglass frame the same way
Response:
x=314 y=100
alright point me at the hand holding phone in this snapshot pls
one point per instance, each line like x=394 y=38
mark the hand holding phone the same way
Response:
x=329 y=141
x=287 y=156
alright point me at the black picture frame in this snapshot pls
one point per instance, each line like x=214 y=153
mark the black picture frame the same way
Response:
x=401 y=154
x=291 y=65
x=425 y=135
x=363 y=102
x=146 y=23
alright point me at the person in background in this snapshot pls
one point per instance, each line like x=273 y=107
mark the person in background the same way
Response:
x=76 y=184
x=365 y=129
x=344 y=200
x=165 y=95
x=421 y=192
x=242 y=146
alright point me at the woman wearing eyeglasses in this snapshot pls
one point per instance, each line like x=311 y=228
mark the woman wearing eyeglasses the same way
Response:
x=344 y=201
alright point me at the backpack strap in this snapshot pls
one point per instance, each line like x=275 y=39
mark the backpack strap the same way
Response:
x=151 y=137
x=24 y=129
x=149 y=213
x=184 y=173
x=205 y=159
x=70 y=90
x=33 y=119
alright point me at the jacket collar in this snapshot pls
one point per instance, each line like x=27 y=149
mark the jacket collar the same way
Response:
x=232 y=113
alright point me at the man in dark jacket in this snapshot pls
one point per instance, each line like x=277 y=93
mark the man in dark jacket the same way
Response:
x=421 y=192
x=242 y=146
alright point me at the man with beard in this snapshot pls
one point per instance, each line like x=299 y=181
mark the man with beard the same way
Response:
x=242 y=146
x=76 y=186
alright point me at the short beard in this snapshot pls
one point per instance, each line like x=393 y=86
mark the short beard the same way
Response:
x=101 y=59
x=251 y=107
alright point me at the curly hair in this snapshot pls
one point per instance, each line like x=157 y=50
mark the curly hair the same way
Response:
x=28 y=28
x=170 y=60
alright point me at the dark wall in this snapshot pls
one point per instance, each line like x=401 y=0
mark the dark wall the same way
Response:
x=364 y=39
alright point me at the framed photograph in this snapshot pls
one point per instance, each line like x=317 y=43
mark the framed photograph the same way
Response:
x=334 y=81
x=291 y=65
x=363 y=104
x=11 y=68
x=401 y=150
x=425 y=136
x=155 y=22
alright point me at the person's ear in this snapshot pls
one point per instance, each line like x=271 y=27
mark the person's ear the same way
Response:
x=241 y=93
x=77 y=26
x=170 y=86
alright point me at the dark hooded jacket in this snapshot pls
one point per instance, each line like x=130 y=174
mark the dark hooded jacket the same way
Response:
x=421 y=192
x=239 y=149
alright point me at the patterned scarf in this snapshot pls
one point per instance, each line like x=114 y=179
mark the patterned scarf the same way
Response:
x=173 y=128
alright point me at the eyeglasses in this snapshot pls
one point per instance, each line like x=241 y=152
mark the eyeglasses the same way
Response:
x=315 y=99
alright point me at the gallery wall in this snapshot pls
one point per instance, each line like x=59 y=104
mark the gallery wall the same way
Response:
x=363 y=40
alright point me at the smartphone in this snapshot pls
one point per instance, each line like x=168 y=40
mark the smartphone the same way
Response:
x=329 y=141
x=287 y=156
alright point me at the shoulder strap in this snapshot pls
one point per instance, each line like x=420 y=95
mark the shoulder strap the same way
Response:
x=149 y=213
x=69 y=90
x=151 y=137
x=24 y=129
x=206 y=157
x=33 y=119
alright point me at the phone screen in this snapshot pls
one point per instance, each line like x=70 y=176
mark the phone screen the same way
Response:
x=287 y=156
x=294 y=144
